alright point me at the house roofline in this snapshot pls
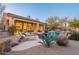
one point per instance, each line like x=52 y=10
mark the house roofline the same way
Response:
x=21 y=17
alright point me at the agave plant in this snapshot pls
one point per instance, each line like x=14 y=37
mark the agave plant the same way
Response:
x=48 y=37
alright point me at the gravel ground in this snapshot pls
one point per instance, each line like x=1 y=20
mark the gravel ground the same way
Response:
x=71 y=49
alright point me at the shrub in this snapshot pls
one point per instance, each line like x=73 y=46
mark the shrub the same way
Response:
x=12 y=29
x=74 y=36
x=7 y=47
x=62 y=40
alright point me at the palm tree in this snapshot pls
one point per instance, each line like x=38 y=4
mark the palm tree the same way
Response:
x=37 y=19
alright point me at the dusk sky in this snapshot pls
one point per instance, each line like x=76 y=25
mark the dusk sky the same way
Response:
x=43 y=11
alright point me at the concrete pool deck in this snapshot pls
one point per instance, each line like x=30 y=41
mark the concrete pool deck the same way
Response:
x=26 y=45
x=72 y=49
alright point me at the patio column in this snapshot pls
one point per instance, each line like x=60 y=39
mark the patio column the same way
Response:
x=37 y=27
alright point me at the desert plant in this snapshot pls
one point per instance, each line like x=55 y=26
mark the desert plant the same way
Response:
x=52 y=22
x=45 y=39
x=48 y=37
x=74 y=36
x=12 y=29
x=7 y=47
x=62 y=40
x=74 y=23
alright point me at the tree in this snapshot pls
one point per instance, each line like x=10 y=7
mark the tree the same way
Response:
x=28 y=17
x=52 y=22
x=64 y=21
x=2 y=8
x=74 y=23
x=36 y=19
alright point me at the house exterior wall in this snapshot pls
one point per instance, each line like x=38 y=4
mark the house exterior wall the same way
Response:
x=22 y=25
